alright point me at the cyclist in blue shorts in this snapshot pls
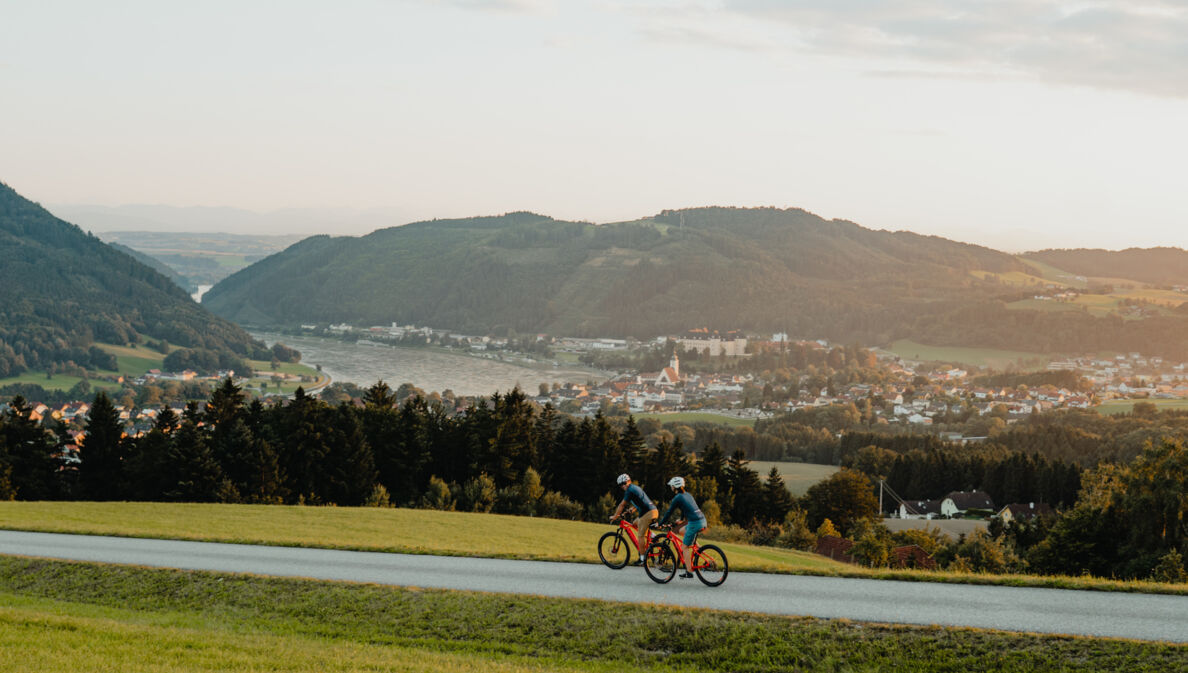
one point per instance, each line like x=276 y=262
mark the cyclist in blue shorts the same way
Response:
x=635 y=496
x=692 y=520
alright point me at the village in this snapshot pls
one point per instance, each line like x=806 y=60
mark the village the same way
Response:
x=912 y=393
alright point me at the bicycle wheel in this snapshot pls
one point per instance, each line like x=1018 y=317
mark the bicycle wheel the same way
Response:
x=710 y=564
x=660 y=563
x=614 y=549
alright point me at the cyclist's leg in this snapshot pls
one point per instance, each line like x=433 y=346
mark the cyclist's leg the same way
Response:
x=690 y=531
x=641 y=530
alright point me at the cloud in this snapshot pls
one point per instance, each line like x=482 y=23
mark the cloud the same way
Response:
x=1134 y=45
x=500 y=5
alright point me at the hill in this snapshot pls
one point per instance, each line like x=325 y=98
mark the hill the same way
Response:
x=1157 y=266
x=161 y=267
x=759 y=269
x=62 y=290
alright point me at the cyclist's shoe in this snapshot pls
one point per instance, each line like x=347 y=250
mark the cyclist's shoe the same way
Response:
x=637 y=562
x=686 y=575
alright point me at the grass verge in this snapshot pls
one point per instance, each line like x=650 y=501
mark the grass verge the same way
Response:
x=72 y=616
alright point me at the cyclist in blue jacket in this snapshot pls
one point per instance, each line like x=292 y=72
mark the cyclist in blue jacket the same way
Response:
x=635 y=496
x=693 y=520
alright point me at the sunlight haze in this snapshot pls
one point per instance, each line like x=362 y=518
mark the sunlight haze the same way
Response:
x=1018 y=125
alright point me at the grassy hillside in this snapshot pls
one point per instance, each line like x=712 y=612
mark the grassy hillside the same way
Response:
x=370 y=529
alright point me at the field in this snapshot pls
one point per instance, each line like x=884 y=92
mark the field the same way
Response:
x=798 y=476
x=1052 y=274
x=71 y=617
x=1111 y=407
x=978 y=357
x=698 y=417
x=58 y=382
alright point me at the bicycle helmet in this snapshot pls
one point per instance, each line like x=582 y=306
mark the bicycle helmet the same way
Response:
x=623 y=479
x=677 y=482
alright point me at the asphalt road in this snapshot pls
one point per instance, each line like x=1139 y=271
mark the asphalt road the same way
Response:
x=1089 y=613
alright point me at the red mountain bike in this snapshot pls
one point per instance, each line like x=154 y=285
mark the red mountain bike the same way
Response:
x=665 y=554
x=614 y=548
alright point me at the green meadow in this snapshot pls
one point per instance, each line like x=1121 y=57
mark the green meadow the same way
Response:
x=66 y=617
x=797 y=476
x=978 y=357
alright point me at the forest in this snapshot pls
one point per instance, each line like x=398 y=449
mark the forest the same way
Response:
x=62 y=291
x=761 y=270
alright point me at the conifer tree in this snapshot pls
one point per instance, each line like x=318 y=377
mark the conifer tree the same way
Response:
x=101 y=474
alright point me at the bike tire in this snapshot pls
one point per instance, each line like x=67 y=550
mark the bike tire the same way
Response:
x=614 y=549
x=660 y=563
x=710 y=565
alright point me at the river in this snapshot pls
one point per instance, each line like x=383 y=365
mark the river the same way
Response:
x=431 y=370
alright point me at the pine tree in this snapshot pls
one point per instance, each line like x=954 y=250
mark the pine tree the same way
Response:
x=776 y=496
x=30 y=450
x=101 y=473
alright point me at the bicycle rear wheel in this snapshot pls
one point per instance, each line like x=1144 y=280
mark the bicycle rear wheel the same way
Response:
x=710 y=565
x=660 y=563
x=614 y=549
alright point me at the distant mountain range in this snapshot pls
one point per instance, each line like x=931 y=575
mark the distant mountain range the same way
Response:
x=759 y=269
x=62 y=290
x=208 y=219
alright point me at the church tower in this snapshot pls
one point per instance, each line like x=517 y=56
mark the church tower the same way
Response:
x=675 y=363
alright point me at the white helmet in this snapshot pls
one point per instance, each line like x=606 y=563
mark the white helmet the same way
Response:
x=677 y=482
x=623 y=479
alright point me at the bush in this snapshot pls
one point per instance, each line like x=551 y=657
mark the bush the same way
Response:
x=379 y=497
x=796 y=533
x=1170 y=569
x=556 y=506
x=478 y=494
x=438 y=496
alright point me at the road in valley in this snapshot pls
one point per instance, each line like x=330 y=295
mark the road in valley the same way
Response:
x=1088 y=613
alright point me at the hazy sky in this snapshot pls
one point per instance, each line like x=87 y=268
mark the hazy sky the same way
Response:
x=1014 y=123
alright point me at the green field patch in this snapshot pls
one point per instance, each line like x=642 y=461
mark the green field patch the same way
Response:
x=1013 y=278
x=797 y=476
x=60 y=382
x=699 y=417
x=72 y=616
x=1055 y=275
x=135 y=360
x=979 y=357
x=1111 y=407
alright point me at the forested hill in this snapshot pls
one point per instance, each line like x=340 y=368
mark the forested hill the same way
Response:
x=760 y=269
x=1159 y=266
x=62 y=290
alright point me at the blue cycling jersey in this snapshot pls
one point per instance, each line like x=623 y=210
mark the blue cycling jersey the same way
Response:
x=635 y=495
x=688 y=506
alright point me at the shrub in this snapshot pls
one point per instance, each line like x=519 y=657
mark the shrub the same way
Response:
x=478 y=494
x=1170 y=569
x=438 y=496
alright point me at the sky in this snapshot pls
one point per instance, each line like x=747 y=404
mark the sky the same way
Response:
x=1018 y=124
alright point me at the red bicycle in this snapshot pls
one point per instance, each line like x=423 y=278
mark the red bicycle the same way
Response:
x=665 y=554
x=614 y=548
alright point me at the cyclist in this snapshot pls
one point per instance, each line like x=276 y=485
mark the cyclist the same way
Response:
x=643 y=504
x=693 y=520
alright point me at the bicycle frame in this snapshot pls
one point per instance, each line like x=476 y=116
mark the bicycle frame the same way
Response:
x=629 y=529
x=679 y=549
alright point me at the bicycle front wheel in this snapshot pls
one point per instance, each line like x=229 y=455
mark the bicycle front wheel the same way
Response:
x=710 y=565
x=660 y=563
x=614 y=550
